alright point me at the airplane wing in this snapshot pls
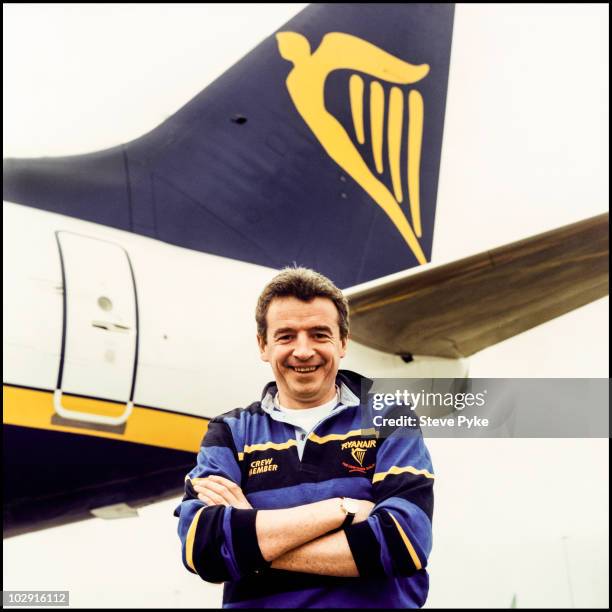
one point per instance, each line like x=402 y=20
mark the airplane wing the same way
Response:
x=459 y=308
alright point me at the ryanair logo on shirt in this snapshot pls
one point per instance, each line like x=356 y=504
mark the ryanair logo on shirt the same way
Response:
x=358 y=450
x=358 y=455
x=359 y=444
x=261 y=466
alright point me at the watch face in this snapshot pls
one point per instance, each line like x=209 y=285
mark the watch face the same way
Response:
x=350 y=505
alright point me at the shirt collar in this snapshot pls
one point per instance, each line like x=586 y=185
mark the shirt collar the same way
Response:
x=346 y=398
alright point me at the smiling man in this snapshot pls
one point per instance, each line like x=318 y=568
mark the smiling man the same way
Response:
x=292 y=503
x=303 y=342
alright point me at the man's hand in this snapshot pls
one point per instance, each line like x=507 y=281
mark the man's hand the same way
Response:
x=216 y=490
x=328 y=554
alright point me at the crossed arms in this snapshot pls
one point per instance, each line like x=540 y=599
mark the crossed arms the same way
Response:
x=224 y=538
x=311 y=548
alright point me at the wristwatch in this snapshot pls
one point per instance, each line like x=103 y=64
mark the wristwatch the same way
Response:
x=350 y=507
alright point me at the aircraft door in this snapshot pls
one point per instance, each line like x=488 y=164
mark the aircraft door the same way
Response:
x=100 y=331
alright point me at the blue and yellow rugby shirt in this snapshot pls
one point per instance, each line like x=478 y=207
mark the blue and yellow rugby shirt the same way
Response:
x=253 y=448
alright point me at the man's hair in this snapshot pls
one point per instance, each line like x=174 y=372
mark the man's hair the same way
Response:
x=303 y=284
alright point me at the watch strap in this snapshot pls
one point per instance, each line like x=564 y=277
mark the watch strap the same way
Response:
x=350 y=516
x=348 y=520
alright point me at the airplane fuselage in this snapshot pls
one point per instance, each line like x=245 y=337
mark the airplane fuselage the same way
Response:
x=118 y=349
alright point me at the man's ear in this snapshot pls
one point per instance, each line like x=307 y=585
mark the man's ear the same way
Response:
x=343 y=347
x=263 y=348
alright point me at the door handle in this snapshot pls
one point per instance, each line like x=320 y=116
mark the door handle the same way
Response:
x=108 y=326
x=86 y=416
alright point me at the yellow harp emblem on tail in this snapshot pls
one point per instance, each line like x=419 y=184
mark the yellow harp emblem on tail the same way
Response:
x=306 y=85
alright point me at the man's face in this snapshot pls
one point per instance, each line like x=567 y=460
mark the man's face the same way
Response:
x=304 y=349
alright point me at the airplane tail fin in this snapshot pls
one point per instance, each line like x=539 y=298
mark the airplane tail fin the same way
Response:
x=320 y=147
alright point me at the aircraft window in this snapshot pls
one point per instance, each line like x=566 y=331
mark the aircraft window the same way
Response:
x=105 y=304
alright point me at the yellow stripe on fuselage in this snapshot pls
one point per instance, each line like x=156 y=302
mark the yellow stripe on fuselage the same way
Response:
x=34 y=408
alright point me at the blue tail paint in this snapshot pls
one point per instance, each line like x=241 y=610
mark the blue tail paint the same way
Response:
x=275 y=162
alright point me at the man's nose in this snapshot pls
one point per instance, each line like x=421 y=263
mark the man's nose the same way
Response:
x=303 y=349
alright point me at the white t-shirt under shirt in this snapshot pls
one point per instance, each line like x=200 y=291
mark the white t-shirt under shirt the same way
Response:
x=307 y=418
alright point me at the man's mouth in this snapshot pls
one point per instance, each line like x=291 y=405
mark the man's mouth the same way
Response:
x=303 y=369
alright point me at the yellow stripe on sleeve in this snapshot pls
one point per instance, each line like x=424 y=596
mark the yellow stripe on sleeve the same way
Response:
x=190 y=540
x=400 y=470
x=409 y=546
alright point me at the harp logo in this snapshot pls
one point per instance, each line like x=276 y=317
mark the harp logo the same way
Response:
x=358 y=454
x=306 y=86
x=358 y=449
